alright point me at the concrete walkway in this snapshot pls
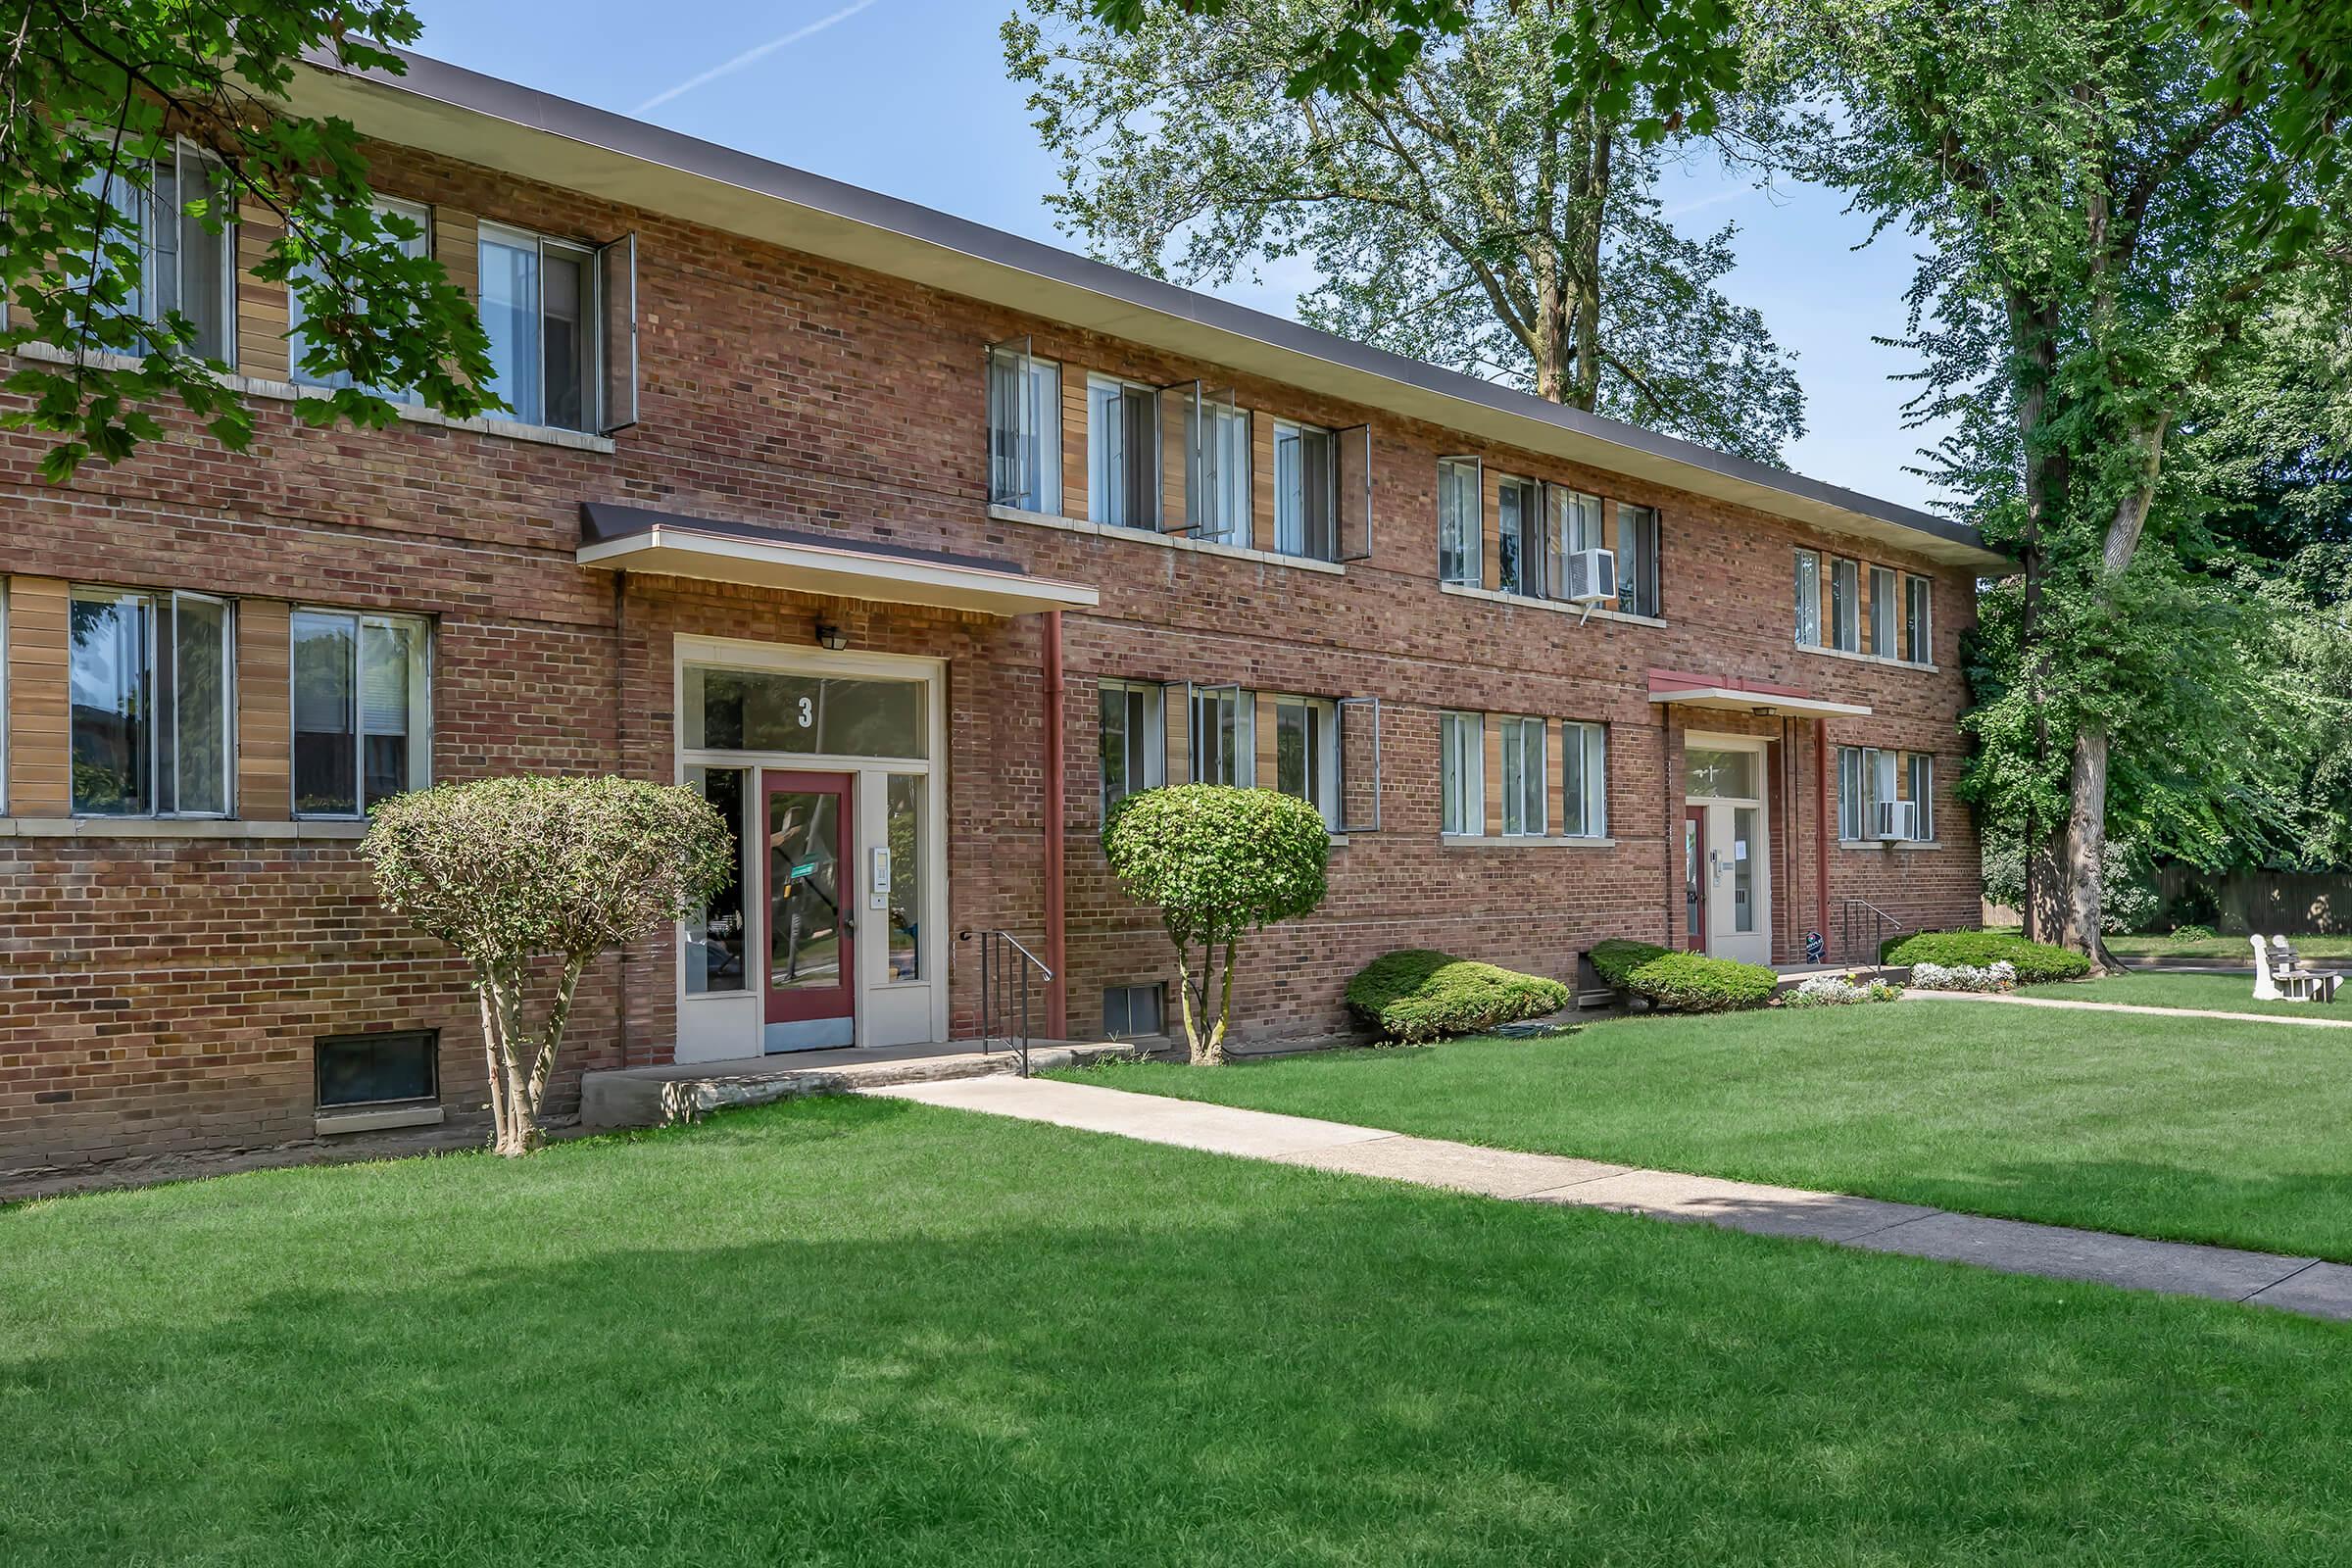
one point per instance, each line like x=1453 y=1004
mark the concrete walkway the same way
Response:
x=1916 y=995
x=2302 y=1285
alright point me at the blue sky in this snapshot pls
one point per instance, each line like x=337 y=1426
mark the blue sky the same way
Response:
x=910 y=97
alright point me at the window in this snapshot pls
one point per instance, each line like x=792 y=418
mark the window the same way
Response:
x=769 y=710
x=538 y=301
x=3 y=696
x=1920 y=777
x=1133 y=741
x=1637 y=561
x=1845 y=606
x=1462 y=772
x=906 y=832
x=1024 y=430
x=1882 y=609
x=419 y=244
x=385 y=1069
x=1867 y=775
x=1580 y=524
x=153 y=705
x=1123 y=454
x=1519 y=527
x=1131 y=1010
x=362 y=710
x=1919 y=629
x=184 y=266
x=1523 y=778
x=1461 y=524
x=1224 y=736
x=715 y=954
x=1712 y=773
x=1305 y=492
x=1219 y=480
x=1584 y=780
x=1809 y=599
x=1306 y=753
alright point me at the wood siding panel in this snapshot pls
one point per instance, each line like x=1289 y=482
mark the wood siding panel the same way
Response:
x=40 y=772
x=265 y=718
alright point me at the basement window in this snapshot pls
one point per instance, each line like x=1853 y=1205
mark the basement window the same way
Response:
x=1131 y=1010
x=379 y=1071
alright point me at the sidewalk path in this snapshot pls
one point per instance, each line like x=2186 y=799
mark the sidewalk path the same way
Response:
x=2302 y=1285
x=1914 y=994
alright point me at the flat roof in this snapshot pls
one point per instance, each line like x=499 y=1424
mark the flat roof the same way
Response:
x=537 y=135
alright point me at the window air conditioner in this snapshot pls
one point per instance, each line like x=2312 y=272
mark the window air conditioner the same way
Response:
x=1592 y=576
x=1897 y=819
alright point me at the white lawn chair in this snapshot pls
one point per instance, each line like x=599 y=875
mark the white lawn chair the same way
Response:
x=2295 y=978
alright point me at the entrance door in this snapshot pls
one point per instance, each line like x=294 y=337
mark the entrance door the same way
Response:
x=1694 y=878
x=811 y=961
x=1737 y=892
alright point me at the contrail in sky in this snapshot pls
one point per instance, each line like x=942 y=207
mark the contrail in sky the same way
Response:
x=752 y=55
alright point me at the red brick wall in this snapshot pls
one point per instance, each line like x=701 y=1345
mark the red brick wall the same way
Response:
x=171 y=986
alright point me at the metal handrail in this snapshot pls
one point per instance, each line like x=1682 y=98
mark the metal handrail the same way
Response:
x=1007 y=990
x=1881 y=921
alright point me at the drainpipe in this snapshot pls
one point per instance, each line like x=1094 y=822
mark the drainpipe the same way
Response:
x=1821 y=835
x=620 y=766
x=1058 y=1012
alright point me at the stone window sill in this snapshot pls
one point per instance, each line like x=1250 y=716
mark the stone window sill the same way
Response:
x=415 y=412
x=175 y=827
x=329 y=1122
x=1522 y=841
x=1889 y=843
x=1165 y=541
x=1864 y=659
x=1496 y=596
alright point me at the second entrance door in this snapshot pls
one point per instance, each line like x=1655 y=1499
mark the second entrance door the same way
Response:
x=811 y=980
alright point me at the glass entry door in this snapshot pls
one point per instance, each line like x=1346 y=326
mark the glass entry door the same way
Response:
x=811 y=964
x=1737 y=897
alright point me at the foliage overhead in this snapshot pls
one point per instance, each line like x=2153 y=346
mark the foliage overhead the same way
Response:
x=100 y=97
x=1470 y=215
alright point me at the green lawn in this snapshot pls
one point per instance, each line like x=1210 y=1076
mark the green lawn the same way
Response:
x=2223 y=993
x=2195 y=1130
x=2234 y=948
x=859 y=1332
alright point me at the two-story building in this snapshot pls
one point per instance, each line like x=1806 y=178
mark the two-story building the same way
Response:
x=911 y=545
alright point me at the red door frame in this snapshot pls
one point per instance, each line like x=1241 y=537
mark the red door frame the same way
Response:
x=830 y=1001
x=1695 y=877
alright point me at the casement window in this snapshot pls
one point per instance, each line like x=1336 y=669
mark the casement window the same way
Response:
x=1809 y=599
x=1306 y=753
x=1131 y=1010
x=1132 y=740
x=1462 y=772
x=1217 y=480
x=400 y=1069
x=1224 y=736
x=716 y=958
x=1580 y=524
x=1920 y=776
x=298 y=345
x=1305 y=492
x=540 y=309
x=1024 y=430
x=1122 y=453
x=3 y=696
x=154 y=704
x=1919 y=626
x=1524 y=777
x=1884 y=608
x=1637 y=561
x=1868 y=777
x=1461 y=522
x=362 y=710
x=1519 y=528
x=1584 y=780
x=1845 y=606
x=184 y=265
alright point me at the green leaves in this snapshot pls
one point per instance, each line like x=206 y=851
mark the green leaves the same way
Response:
x=1218 y=862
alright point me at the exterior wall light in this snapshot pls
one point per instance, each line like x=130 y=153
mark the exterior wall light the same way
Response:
x=830 y=637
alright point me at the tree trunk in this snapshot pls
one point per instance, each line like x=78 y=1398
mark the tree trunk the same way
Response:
x=2044 y=909
x=1196 y=1004
x=2087 y=841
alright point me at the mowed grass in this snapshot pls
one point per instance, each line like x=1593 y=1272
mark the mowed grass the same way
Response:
x=861 y=1332
x=2219 y=993
x=2196 y=1130
x=2236 y=949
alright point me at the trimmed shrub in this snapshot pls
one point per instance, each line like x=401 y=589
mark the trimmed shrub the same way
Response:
x=2192 y=932
x=1616 y=960
x=1692 y=982
x=1840 y=991
x=2001 y=976
x=1415 y=995
x=2035 y=961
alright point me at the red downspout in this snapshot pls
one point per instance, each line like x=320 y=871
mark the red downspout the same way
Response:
x=1058 y=1012
x=1821 y=830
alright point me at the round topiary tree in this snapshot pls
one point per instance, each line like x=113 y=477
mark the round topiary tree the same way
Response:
x=513 y=870
x=1219 y=862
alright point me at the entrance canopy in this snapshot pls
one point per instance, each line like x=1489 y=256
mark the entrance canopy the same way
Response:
x=1737 y=697
x=620 y=538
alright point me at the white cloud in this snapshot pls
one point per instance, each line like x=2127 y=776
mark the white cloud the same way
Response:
x=751 y=56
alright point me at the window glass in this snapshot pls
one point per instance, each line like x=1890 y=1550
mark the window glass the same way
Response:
x=1637 y=561
x=1918 y=633
x=1132 y=741
x=197 y=782
x=113 y=720
x=1306 y=753
x=564 y=290
x=1523 y=776
x=298 y=345
x=377 y=1069
x=1221 y=482
x=183 y=266
x=1921 y=781
x=1122 y=439
x=1711 y=775
x=772 y=711
x=1584 y=780
x=325 y=714
x=510 y=305
x=1303 y=476
x=1224 y=736
x=904 y=821
x=715 y=935
x=1461 y=764
x=391 y=654
x=1809 y=599
x=1846 y=603
x=1024 y=430
x=1458 y=523
x=1131 y=1010
x=1883 y=610
x=1744 y=856
x=1580 y=523
x=362 y=710
x=1519 y=529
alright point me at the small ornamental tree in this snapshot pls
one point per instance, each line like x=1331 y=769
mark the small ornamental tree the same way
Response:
x=513 y=870
x=1219 y=862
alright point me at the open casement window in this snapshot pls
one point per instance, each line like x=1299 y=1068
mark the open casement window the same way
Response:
x=1463 y=775
x=540 y=306
x=1919 y=626
x=154 y=704
x=1123 y=454
x=1519 y=521
x=1216 y=465
x=616 y=302
x=1305 y=492
x=1352 y=465
x=1919 y=778
x=1461 y=521
x=1306 y=753
x=1845 y=606
x=1359 y=764
x=1133 y=741
x=1024 y=428
x=1221 y=735
x=1882 y=611
x=1637 y=561
x=1809 y=599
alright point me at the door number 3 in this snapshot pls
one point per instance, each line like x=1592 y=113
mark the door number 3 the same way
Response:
x=807 y=713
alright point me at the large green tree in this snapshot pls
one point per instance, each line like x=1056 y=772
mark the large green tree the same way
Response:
x=2108 y=220
x=1486 y=211
x=133 y=130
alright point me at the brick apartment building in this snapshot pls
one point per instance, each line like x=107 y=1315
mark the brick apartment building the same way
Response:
x=910 y=543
